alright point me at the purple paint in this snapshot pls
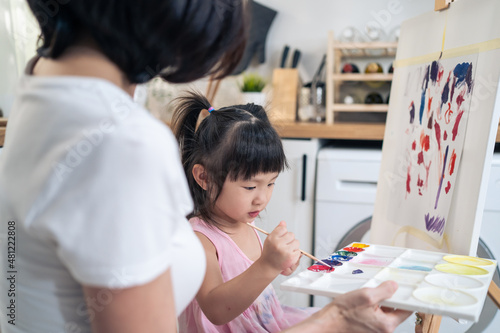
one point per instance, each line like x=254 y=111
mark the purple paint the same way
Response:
x=434 y=224
x=446 y=92
x=434 y=71
x=429 y=123
x=357 y=271
x=442 y=177
x=412 y=112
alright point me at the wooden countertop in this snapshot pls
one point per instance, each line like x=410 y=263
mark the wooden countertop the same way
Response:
x=346 y=131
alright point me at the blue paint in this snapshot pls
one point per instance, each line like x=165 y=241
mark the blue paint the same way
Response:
x=425 y=84
x=446 y=92
x=416 y=268
x=341 y=258
x=463 y=73
x=357 y=271
x=330 y=262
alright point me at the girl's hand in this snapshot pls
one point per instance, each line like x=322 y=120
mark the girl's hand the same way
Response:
x=281 y=250
x=292 y=269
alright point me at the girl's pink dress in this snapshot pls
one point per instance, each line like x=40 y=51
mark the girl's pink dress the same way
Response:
x=266 y=314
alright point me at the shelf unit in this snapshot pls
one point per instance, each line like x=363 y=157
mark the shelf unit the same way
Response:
x=334 y=77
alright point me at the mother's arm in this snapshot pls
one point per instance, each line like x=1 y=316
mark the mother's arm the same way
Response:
x=146 y=308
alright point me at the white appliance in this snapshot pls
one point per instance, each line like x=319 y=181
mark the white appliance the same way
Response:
x=345 y=195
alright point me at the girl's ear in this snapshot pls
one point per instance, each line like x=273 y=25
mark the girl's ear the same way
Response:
x=200 y=175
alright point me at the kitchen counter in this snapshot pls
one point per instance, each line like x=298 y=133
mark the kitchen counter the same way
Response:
x=347 y=131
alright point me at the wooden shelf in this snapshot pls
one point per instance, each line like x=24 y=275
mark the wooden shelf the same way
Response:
x=364 y=46
x=362 y=77
x=361 y=107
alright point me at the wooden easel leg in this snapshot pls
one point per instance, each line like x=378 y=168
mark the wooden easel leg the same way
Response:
x=494 y=293
x=428 y=323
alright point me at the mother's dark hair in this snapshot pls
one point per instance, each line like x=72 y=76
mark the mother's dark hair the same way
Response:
x=179 y=40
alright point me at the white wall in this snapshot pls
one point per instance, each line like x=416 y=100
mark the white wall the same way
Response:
x=305 y=24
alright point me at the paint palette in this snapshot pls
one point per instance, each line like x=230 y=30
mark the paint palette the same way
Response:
x=429 y=282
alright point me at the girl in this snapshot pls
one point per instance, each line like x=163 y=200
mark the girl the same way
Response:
x=232 y=161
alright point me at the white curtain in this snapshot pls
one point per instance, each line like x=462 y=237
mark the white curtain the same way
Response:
x=18 y=35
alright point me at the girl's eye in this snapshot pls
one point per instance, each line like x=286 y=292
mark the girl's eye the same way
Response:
x=249 y=188
x=272 y=184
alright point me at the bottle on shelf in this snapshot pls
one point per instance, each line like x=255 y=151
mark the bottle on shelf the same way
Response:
x=351 y=35
x=350 y=68
x=374 y=98
x=351 y=98
x=374 y=68
x=374 y=34
x=391 y=69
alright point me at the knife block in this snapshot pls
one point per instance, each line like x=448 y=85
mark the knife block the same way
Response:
x=285 y=94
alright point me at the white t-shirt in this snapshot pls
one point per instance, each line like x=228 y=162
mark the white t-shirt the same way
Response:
x=96 y=195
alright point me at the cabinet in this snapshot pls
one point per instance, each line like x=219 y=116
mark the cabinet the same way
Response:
x=335 y=79
x=293 y=202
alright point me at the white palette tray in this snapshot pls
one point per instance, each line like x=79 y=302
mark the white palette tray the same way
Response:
x=429 y=282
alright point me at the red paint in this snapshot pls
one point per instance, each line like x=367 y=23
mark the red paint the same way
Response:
x=408 y=181
x=437 y=130
x=452 y=162
x=414 y=145
x=420 y=182
x=321 y=268
x=353 y=249
x=429 y=104
x=455 y=127
x=448 y=114
x=445 y=136
x=447 y=188
x=420 y=158
x=440 y=74
x=460 y=98
x=424 y=141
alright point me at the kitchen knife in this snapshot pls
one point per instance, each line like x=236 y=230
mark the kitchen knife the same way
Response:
x=284 y=55
x=296 y=58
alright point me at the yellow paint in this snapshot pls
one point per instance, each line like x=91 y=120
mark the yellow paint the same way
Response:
x=360 y=245
x=460 y=269
x=466 y=260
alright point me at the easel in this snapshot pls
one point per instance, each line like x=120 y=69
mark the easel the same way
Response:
x=431 y=323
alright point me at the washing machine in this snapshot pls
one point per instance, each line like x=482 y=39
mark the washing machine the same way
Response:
x=346 y=183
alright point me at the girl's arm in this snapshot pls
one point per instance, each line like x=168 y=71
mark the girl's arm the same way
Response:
x=146 y=308
x=222 y=302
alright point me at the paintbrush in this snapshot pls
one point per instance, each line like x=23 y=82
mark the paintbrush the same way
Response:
x=303 y=252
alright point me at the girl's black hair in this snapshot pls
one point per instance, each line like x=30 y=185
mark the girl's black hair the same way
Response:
x=234 y=142
x=178 y=40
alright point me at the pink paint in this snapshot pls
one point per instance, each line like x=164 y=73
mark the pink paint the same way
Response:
x=447 y=188
x=445 y=136
x=414 y=145
x=321 y=268
x=455 y=127
x=437 y=130
x=374 y=262
x=440 y=74
x=452 y=162
x=427 y=168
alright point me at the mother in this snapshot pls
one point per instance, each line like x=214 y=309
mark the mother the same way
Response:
x=92 y=192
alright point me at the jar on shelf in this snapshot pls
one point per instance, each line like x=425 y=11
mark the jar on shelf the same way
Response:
x=374 y=34
x=351 y=35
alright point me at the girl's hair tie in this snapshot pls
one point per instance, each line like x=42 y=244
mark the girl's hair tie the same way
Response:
x=210 y=109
